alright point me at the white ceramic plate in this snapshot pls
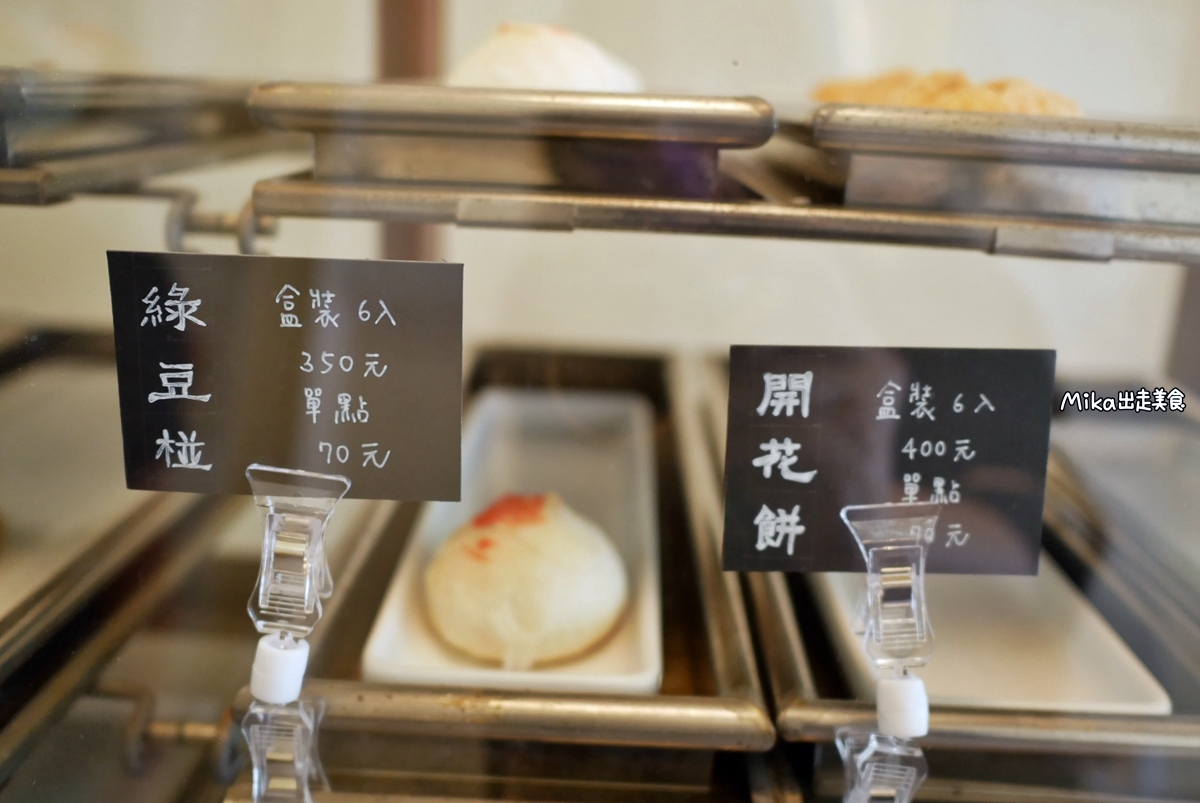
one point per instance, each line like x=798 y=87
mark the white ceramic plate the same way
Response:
x=596 y=450
x=1020 y=643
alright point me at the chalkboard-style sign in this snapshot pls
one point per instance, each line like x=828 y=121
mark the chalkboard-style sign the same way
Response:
x=814 y=429
x=340 y=366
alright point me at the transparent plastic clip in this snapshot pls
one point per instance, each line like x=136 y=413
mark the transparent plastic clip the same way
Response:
x=293 y=575
x=283 y=749
x=893 y=539
x=879 y=767
x=897 y=635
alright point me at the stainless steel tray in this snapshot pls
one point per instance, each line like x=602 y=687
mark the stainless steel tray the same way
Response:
x=710 y=701
x=175 y=665
x=1004 y=184
x=1004 y=137
x=1009 y=164
x=917 y=182
x=1120 y=518
x=622 y=143
x=802 y=681
x=49 y=115
x=460 y=111
x=45 y=92
x=78 y=555
x=64 y=133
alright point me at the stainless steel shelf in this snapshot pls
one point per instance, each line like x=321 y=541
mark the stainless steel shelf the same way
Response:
x=67 y=133
x=1003 y=184
x=466 y=742
x=803 y=715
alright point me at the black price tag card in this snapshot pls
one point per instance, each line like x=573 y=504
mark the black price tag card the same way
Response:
x=814 y=429
x=340 y=366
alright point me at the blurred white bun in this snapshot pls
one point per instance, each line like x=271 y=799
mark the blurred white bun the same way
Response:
x=527 y=581
x=521 y=56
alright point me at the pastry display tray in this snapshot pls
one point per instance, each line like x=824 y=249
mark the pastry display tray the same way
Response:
x=1002 y=137
x=1005 y=184
x=65 y=133
x=48 y=115
x=810 y=687
x=958 y=161
x=1121 y=517
x=596 y=451
x=1004 y=643
x=643 y=144
x=68 y=520
x=710 y=698
x=77 y=544
x=402 y=109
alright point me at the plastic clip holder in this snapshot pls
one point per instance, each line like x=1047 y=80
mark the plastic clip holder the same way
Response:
x=285 y=605
x=883 y=764
x=294 y=574
x=889 y=768
x=880 y=768
x=893 y=539
x=283 y=750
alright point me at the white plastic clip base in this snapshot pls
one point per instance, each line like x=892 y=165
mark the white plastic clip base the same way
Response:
x=902 y=707
x=278 y=672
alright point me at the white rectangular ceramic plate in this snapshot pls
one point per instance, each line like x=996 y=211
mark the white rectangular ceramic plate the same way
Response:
x=1021 y=643
x=596 y=450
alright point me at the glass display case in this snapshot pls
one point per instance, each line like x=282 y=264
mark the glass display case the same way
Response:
x=627 y=192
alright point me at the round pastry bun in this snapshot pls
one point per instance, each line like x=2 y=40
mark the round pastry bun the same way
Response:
x=527 y=581
x=524 y=56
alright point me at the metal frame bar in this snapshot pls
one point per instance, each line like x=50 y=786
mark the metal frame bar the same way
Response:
x=56 y=181
x=301 y=196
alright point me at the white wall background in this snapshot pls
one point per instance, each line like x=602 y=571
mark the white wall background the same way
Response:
x=1130 y=59
x=1115 y=57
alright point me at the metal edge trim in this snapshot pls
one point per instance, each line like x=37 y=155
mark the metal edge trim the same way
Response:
x=434 y=109
x=816 y=721
x=727 y=625
x=672 y=722
x=1060 y=140
x=370 y=527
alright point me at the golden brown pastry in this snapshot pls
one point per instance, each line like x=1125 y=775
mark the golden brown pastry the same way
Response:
x=948 y=90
